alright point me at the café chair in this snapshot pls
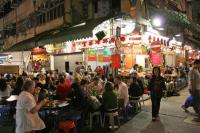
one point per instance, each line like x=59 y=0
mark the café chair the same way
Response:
x=111 y=114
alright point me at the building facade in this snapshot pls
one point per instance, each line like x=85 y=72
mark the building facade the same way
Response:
x=22 y=20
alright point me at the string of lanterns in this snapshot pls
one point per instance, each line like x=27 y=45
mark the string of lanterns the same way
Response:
x=104 y=41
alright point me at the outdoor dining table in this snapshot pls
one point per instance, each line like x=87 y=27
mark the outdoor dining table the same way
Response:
x=51 y=111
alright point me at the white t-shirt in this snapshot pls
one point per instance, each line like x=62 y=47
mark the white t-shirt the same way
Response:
x=123 y=93
x=25 y=120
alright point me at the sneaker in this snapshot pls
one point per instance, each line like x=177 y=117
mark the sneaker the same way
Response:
x=153 y=118
x=184 y=108
x=157 y=117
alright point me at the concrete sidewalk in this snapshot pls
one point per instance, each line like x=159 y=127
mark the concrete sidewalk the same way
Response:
x=172 y=118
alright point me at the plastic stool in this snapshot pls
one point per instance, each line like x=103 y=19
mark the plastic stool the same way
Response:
x=111 y=114
x=67 y=125
x=98 y=114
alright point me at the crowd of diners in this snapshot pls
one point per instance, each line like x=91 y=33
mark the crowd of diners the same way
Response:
x=79 y=88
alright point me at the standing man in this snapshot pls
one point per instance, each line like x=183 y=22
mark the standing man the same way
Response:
x=194 y=85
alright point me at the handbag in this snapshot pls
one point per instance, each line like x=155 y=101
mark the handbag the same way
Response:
x=94 y=102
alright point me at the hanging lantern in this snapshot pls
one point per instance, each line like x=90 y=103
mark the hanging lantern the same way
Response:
x=122 y=38
x=90 y=43
x=84 y=44
x=112 y=40
x=98 y=41
x=105 y=40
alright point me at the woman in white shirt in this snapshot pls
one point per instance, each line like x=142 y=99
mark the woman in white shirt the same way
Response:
x=27 y=118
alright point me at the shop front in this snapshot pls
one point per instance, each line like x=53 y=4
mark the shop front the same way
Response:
x=15 y=62
x=64 y=56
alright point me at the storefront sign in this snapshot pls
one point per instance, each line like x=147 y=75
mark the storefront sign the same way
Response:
x=135 y=39
x=38 y=51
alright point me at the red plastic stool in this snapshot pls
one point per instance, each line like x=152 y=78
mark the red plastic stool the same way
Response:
x=67 y=125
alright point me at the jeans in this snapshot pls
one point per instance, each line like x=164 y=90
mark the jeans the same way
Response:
x=155 y=105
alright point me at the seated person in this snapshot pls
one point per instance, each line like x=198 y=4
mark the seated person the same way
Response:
x=109 y=97
x=188 y=103
x=63 y=89
x=96 y=87
x=135 y=89
x=79 y=98
x=168 y=70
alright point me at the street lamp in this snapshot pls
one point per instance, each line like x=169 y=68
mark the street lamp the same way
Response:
x=157 y=22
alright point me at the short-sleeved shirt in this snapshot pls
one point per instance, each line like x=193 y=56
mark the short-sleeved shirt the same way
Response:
x=123 y=93
x=25 y=120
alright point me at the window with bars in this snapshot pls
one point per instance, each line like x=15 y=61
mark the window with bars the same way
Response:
x=53 y=11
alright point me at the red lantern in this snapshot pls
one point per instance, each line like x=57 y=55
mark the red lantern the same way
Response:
x=113 y=40
x=84 y=44
x=98 y=41
x=105 y=40
x=90 y=43
x=122 y=38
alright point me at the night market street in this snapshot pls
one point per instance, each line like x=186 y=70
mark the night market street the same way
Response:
x=172 y=118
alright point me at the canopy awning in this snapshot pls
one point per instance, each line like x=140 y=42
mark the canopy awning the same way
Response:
x=80 y=31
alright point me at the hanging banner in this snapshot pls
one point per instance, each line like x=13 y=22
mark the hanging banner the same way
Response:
x=106 y=58
x=155 y=58
x=128 y=61
x=116 y=60
x=100 y=58
x=92 y=55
